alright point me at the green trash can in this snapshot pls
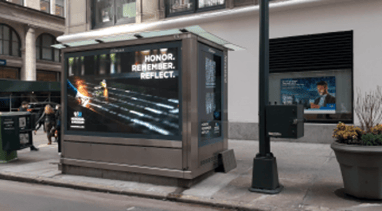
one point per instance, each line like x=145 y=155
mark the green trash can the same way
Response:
x=15 y=134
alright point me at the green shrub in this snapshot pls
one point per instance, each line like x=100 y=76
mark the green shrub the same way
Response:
x=371 y=139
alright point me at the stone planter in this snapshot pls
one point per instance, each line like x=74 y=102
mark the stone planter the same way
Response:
x=361 y=168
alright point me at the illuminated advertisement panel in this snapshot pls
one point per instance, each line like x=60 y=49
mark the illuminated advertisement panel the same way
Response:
x=210 y=95
x=317 y=94
x=122 y=91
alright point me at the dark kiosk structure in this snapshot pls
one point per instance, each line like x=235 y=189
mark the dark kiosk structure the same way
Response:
x=148 y=109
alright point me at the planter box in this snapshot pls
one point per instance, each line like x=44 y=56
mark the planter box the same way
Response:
x=361 y=168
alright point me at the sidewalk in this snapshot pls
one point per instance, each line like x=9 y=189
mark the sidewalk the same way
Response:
x=309 y=172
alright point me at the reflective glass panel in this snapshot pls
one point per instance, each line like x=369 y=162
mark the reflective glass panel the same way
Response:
x=326 y=95
x=126 y=9
x=134 y=93
x=19 y=2
x=47 y=53
x=60 y=11
x=56 y=55
x=47 y=40
x=59 y=8
x=6 y=33
x=14 y=36
x=38 y=51
x=45 y=5
x=15 y=48
x=6 y=47
x=210 y=3
x=104 y=12
x=181 y=5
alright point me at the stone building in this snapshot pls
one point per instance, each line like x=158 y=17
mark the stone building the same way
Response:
x=311 y=41
x=28 y=28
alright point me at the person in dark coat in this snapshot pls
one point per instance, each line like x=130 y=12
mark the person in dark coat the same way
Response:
x=325 y=98
x=49 y=122
x=41 y=122
x=58 y=127
x=24 y=106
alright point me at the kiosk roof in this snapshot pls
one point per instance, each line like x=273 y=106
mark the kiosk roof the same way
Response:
x=132 y=36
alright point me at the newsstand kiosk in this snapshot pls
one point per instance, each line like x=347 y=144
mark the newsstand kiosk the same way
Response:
x=15 y=134
x=149 y=109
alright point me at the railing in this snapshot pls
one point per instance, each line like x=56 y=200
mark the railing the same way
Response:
x=13 y=102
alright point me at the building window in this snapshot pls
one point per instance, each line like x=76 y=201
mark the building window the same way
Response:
x=316 y=71
x=180 y=7
x=46 y=76
x=326 y=95
x=60 y=11
x=45 y=6
x=44 y=51
x=9 y=73
x=113 y=12
x=19 y=2
x=9 y=41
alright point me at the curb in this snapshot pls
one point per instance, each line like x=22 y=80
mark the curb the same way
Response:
x=105 y=189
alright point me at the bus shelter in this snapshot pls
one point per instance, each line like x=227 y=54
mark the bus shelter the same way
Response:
x=152 y=108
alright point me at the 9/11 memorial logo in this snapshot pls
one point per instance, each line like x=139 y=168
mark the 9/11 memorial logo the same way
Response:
x=78 y=114
x=77 y=121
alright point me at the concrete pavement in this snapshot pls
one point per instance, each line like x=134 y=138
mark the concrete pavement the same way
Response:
x=309 y=172
x=43 y=198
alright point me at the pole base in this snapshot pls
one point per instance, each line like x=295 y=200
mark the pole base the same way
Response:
x=265 y=178
x=274 y=191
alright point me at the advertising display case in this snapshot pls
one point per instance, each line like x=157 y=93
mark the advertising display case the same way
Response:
x=153 y=107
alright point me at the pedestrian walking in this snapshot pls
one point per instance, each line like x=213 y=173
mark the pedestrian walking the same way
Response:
x=49 y=122
x=58 y=127
x=41 y=122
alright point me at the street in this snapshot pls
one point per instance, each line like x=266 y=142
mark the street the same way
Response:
x=16 y=196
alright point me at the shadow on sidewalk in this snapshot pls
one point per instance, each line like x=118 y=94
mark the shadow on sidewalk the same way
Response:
x=341 y=194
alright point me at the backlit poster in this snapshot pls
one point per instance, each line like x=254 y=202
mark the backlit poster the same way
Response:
x=210 y=102
x=317 y=94
x=125 y=91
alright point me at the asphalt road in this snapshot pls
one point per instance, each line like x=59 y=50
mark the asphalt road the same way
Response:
x=16 y=196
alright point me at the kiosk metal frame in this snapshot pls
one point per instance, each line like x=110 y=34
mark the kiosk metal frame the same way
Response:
x=121 y=157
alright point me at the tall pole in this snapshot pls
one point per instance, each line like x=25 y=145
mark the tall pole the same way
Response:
x=265 y=176
x=264 y=141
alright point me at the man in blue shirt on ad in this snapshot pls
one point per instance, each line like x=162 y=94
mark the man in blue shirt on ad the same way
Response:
x=325 y=98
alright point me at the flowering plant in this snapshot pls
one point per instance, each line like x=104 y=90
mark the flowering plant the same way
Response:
x=368 y=108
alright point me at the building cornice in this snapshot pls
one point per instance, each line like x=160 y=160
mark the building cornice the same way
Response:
x=31 y=17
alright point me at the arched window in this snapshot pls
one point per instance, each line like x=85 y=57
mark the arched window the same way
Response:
x=9 y=41
x=44 y=51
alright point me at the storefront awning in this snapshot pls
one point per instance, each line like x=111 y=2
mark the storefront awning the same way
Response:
x=132 y=36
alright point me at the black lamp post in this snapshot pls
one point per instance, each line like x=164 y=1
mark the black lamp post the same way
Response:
x=265 y=176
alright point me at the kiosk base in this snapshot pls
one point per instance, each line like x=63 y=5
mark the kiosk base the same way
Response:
x=265 y=176
x=132 y=176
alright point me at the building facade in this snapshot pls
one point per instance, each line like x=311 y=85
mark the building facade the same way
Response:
x=314 y=44
x=28 y=28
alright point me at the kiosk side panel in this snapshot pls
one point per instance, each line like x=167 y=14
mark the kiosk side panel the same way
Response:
x=211 y=107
